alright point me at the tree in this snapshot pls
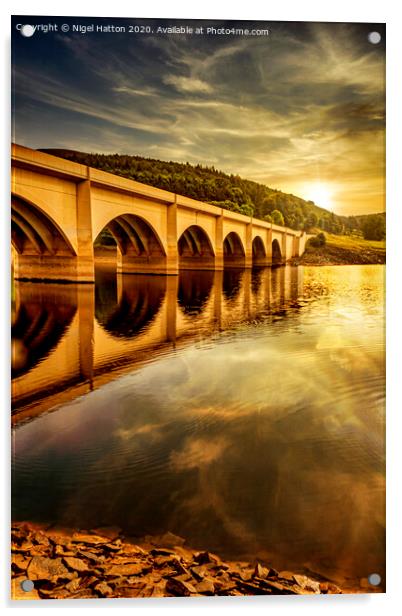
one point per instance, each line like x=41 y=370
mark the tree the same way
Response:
x=247 y=209
x=311 y=221
x=206 y=183
x=277 y=218
x=374 y=227
x=318 y=240
x=268 y=218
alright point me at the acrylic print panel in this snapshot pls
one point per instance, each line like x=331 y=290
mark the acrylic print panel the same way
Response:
x=198 y=249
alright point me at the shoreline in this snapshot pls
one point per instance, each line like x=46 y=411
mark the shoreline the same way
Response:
x=343 y=250
x=324 y=260
x=102 y=563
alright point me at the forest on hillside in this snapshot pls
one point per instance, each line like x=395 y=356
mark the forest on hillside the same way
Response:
x=231 y=192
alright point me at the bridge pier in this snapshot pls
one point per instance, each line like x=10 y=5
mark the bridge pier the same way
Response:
x=248 y=261
x=172 y=257
x=131 y=263
x=219 y=243
x=269 y=246
x=85 y=247
x=284 y=247
x=42 y=267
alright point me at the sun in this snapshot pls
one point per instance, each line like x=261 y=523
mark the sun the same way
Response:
x=320 y=193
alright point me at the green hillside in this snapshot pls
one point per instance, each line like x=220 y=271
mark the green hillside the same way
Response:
x=229 y=191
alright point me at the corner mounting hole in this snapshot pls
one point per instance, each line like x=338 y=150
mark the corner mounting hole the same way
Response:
x=27 y=585
x=27 y=30
x=374 y=579
x=374 y=38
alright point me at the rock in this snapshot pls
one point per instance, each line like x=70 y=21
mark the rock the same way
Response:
x=146 y=591
x=59 y=592
x=98 y=564
x=127 y=569
x=206 y=557
x=59 y=550
x=179 y=588
x=254 y=589
x=75 y=563
x=103 y=589
x=65 y=591
x=184 y=577
x=260 y=571
x=169 y=540
x=74 y=585
x=333 y=589
x=135 y=549
x=198 y=572
x=17 y=525
x=161 y=561
x=89 y=539
x=159 y=589
x=162 y=552
x=128 y=591
x=41 y=568
x=113 y=547
x=306 y=583
x=110 y=532
x=20 y=562
x=40 y=550
x=92 y=557
x=286 y=575
x=85 y=593
x=123 y=559
x=206 y=587
x=60 y=539
x=24 y=546
x=176 y=564
x=41 y=538
x=245 y=574
x=278 y=588
x=90 y=581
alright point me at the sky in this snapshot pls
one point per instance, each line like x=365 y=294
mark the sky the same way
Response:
x=301 y=110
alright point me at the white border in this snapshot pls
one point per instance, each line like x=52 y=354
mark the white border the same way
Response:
x=286 y=10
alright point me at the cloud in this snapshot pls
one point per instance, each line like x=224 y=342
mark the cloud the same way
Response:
x=134 y=91
x=305 y=105
x=187 y=84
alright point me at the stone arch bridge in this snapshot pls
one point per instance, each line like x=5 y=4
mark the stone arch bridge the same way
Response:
x=58 y=209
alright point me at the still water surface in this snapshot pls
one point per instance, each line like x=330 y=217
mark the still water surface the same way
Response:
x=243 y=411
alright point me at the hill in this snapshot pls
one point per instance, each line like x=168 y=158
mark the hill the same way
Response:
x=343 y=250
x=228 y=191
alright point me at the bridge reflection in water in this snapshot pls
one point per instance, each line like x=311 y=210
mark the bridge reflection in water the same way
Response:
x=69 y=339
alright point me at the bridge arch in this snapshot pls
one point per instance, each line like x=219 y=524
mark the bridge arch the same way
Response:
x=233 y=251
x=195 y=249
x=34 y=232
x=259 y=253
x=276 y=253
x=139 y=247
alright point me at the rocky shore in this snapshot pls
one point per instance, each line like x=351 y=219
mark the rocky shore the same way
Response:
x=101 y=563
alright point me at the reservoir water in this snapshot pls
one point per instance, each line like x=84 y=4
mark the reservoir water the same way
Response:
x=240 y=410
